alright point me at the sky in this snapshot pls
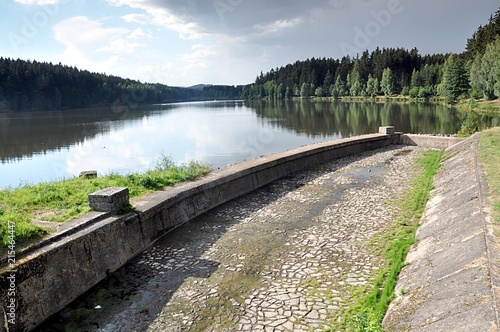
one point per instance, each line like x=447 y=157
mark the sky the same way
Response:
x=188 y=42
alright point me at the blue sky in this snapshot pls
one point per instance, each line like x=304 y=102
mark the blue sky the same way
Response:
x=186 y=42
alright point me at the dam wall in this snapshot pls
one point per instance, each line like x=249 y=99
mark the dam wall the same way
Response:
x=49 y=275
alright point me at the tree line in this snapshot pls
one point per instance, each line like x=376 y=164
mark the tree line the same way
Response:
x=40 y=86
x=392 y=71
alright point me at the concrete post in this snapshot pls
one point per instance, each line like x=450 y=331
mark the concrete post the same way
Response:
x=387 y=130
x=109 y=199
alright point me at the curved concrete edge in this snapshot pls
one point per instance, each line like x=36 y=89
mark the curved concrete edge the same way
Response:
x=50 y=276
x=452 y=280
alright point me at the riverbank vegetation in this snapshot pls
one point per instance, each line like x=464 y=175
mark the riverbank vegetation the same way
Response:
x=390 y=72
x=372 y=302
x=31 y=205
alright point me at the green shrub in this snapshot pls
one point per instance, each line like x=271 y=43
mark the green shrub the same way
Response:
x=470 y=125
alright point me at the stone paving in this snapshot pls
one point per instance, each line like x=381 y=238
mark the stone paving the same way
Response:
x=284 y=258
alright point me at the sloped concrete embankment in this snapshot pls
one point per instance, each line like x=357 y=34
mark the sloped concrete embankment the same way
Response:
x=452 y=280
x=49 y=277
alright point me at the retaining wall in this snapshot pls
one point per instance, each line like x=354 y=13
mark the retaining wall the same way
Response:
x=54 y=272
x=432 y=142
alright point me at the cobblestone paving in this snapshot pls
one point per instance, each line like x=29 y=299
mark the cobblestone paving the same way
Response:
x=283 y=258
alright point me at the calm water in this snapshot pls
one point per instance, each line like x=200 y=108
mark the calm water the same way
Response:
x=40 y=147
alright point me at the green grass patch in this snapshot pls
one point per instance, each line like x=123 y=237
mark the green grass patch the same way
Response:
x=491 y=107
x=490 y=156
x=65 y=200
x=372 y=302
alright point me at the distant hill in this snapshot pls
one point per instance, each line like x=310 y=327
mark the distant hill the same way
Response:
x=40 y=86
x=200 y=86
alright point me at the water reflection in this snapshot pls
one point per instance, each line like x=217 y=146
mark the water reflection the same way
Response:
x=46 y=146
x=357 y=118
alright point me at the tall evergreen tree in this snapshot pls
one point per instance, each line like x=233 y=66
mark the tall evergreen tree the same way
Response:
x=339 y=89
x=456 y=79
x=485 y=71
x=372 y=86
x=387 y=82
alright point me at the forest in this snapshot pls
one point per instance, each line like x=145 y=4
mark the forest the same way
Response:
x=39 y=86
x=392 y=71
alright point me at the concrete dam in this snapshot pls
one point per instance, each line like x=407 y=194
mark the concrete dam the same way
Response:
x=59 y=269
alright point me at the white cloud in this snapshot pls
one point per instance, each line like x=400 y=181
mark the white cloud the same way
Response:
x=278 y=25
x=149 y=69
x=200 y=57
x=81 y=31
x=37 y=2
x=137 y=18
x=88 y=44
x=119 y=46
x=139 y=34
x=163 y=17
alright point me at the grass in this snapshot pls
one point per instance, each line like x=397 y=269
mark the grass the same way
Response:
x=65 y=200
x=491 y=107
x=371 y=303
x=490 y=156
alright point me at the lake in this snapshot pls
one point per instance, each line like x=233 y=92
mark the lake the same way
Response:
x=39 y=147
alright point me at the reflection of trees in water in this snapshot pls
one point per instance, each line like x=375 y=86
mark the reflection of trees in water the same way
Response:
x=357 y=118
x=23 y=135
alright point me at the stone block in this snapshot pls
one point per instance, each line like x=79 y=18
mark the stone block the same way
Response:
x=88 y=174
x=109 y=199
x=387 y=130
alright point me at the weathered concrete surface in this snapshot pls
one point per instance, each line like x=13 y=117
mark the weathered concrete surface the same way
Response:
x=109 y=199
x=428 y=141
x=452 y=282
x=52 y=275
x=286 y=257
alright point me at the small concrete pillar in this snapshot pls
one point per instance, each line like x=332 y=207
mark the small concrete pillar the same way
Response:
x=387 y=130
x=88 y=174
x=109 y=199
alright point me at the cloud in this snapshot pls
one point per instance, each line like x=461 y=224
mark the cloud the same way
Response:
x=278 y=26
x=160 y=16
x=139 y=34
x=200 y=57
x=119 y=46
x=89 y=44
x=37 y=2
x=81 y=31
x=157 y=73
x=195 y=19
x=137 y=18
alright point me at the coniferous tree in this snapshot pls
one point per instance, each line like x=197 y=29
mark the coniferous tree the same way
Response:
x=339 y=89
x=456 y=79
x=387 y=82
x=485 y=71
x=372 y=86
